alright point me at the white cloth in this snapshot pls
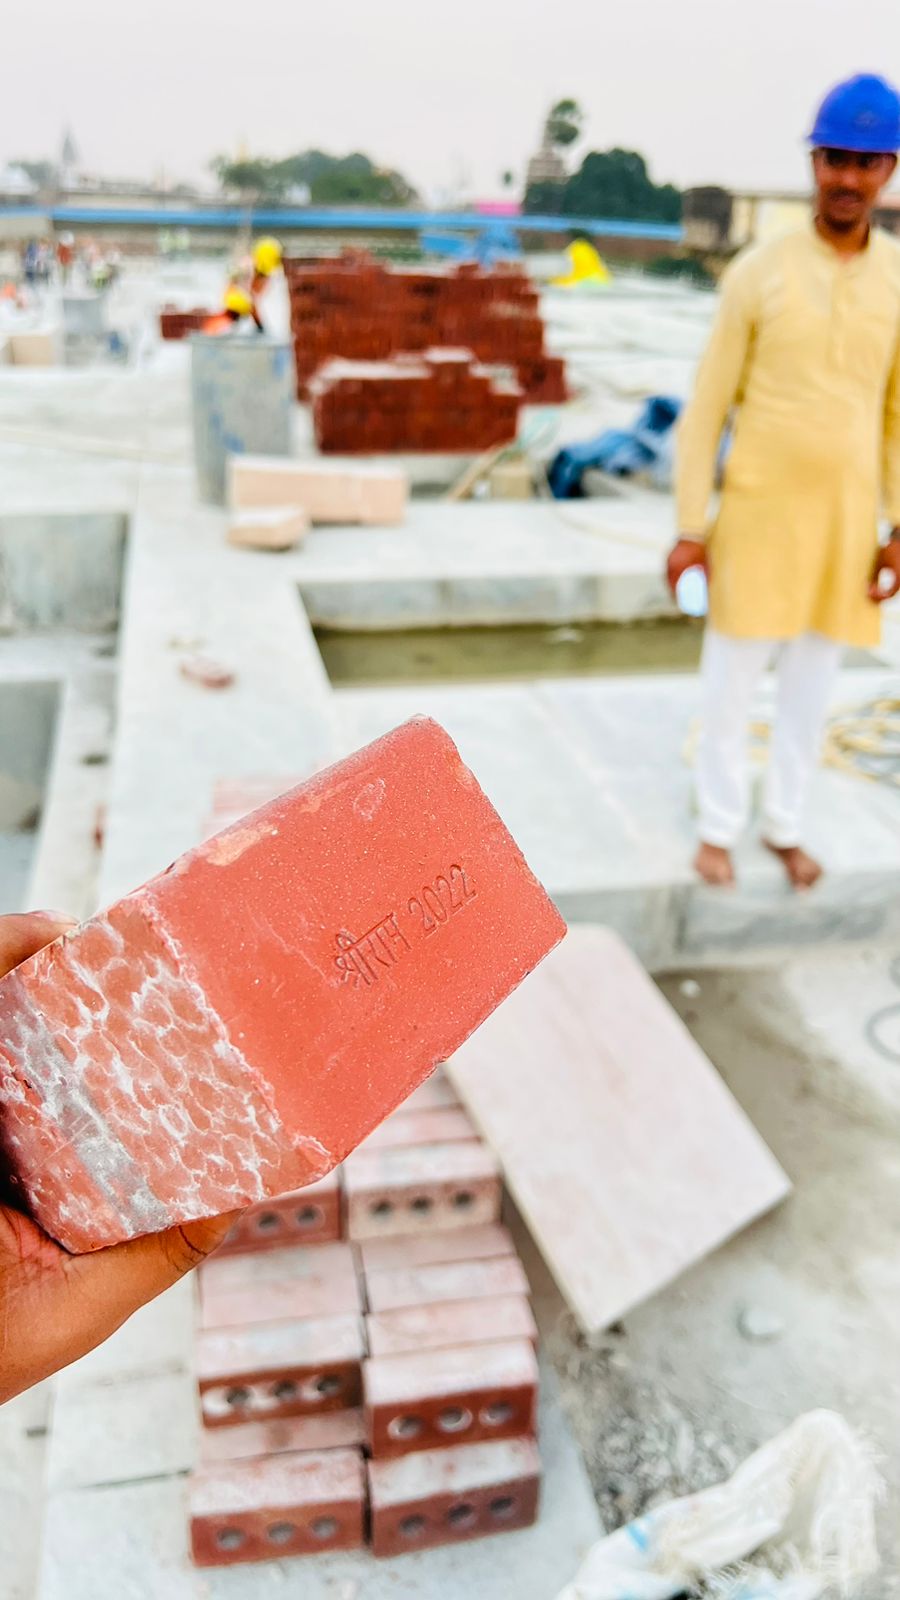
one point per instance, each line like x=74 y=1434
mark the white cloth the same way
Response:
x=730 y=673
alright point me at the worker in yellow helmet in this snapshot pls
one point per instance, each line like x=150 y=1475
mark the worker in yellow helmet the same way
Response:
x=239 y=301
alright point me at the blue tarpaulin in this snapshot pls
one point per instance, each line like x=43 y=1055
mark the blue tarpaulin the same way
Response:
x=619 y=451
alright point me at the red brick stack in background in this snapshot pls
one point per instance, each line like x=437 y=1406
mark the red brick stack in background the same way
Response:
x=175 y=324
x=443 y=400
x=379 y=1389
x=352 y=306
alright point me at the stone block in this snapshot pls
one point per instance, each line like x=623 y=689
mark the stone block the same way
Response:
x=444 y=1496
x=287 y=1505
x=437 y=1398
x=417 y=1190
x=268 y=527
x=208 y=1041
x=279 y=1369
x=373 y=496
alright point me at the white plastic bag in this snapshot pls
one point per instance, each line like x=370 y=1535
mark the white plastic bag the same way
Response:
x=803 y=1506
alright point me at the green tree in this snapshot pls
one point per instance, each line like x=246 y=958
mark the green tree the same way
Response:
x=616 y=184
x=564 y=124
x=332 y=180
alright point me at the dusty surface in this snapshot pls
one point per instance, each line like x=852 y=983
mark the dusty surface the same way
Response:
x=676 y=1396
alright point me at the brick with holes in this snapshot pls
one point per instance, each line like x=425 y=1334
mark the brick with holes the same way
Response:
x=444 y=1125
x=326 y=1430
x=392 y=1288
x=209 y=1041
x=286 y=1505
x=305 y=1216
x=431 y=1249
x=432 y=1399
x=442 y=1496
x=419 y=1189
x=278 y=1286
x=279 y=1369
x=453 y=1322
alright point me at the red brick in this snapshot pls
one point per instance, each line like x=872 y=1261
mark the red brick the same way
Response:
x=450 y=1280
x=453 y=1322
x=435 y=1093
x=446 y=1496
x=437 y=1398
x=430 y=1249
x=447 y=1125
x=305 y=1216
x=278 y=1369
x=278 y=1286
x=209 y=1041
x=289 y=1505
x=330 y=1430
x=389 y=1192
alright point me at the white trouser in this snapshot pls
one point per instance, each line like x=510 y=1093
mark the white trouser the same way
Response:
x=730 y=672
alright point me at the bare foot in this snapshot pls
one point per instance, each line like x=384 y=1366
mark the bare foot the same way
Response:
x=714 y=866
x=802 y=869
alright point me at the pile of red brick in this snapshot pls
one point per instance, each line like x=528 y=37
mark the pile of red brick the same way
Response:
x=442 y=400
x=366 y=1357
x=355 y=307
x=175 y=324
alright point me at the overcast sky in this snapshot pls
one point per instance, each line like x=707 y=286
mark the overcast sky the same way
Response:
x=709 y=90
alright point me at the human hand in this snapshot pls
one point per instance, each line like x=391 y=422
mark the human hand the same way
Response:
x=684 y=554
x=888 y=560
x=54 y=1307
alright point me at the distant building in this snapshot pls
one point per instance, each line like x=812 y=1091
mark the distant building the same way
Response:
x=718 y=222
x=546 y=166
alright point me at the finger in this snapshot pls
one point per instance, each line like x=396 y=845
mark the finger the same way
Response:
x=112 y=1284
x=22 y=935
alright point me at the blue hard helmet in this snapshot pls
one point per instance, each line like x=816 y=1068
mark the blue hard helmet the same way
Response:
x=861 y=115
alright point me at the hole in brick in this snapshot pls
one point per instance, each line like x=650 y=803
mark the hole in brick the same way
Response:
x=328 y=1385
x=324 y=1527
x=230 y=1538
x=268 y=1221
x=422 y=1203
x=310 y=1216
x=380 y=1208
x=238 y=1396
x=281 y=1532
x=284 y=1389
x=462 y=1516
x=404 y=1427
x=502 y=1507
x=495 y=1415
x=454 y=1420
x=412 y=1527
x=463 y=1199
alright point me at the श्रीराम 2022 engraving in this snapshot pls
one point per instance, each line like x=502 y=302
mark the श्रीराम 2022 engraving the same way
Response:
x=361 y=959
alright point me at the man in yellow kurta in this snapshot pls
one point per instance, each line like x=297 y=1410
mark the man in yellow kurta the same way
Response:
x=806 y=346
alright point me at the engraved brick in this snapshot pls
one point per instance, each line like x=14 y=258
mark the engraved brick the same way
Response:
x=278 y=1286
x=329 y=1430
x=437 y=1398
x=393 y=1288
x=430 y=1249
x=444 y=1125
x=390 y=1192
x=453 y=1322
x=305 y=1216
x=288 y=1505
x=209 y=1041
x=444 y=1496
x=279 y=1369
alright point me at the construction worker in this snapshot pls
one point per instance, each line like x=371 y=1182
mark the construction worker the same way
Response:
x=241 y=300
x=806 y=346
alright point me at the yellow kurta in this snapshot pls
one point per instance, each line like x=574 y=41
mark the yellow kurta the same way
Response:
x=807 y=347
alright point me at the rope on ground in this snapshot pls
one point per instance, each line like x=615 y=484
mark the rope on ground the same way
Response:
x=862 y=741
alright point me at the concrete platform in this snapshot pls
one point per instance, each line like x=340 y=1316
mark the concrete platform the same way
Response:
x=591 y=778
x=492 y=562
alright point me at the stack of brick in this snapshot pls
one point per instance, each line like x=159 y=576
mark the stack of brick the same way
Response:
x=379 y=1389
x=443 y=400
x=175 y=324
x=354 y=307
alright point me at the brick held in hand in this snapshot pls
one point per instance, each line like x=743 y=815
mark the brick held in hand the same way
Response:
x=445 y=1496
x=437 y=1398
x=289 y=1505
x=234 y=1028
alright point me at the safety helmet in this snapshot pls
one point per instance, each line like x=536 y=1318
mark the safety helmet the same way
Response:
x=267 y=256
x=238 y=301
x=861 y=115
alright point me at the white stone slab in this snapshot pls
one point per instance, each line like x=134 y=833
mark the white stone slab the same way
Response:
x=123 y=1431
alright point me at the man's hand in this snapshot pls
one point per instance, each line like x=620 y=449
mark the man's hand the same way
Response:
x=888 y=561
x=55 y=1307
x=683 y=555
